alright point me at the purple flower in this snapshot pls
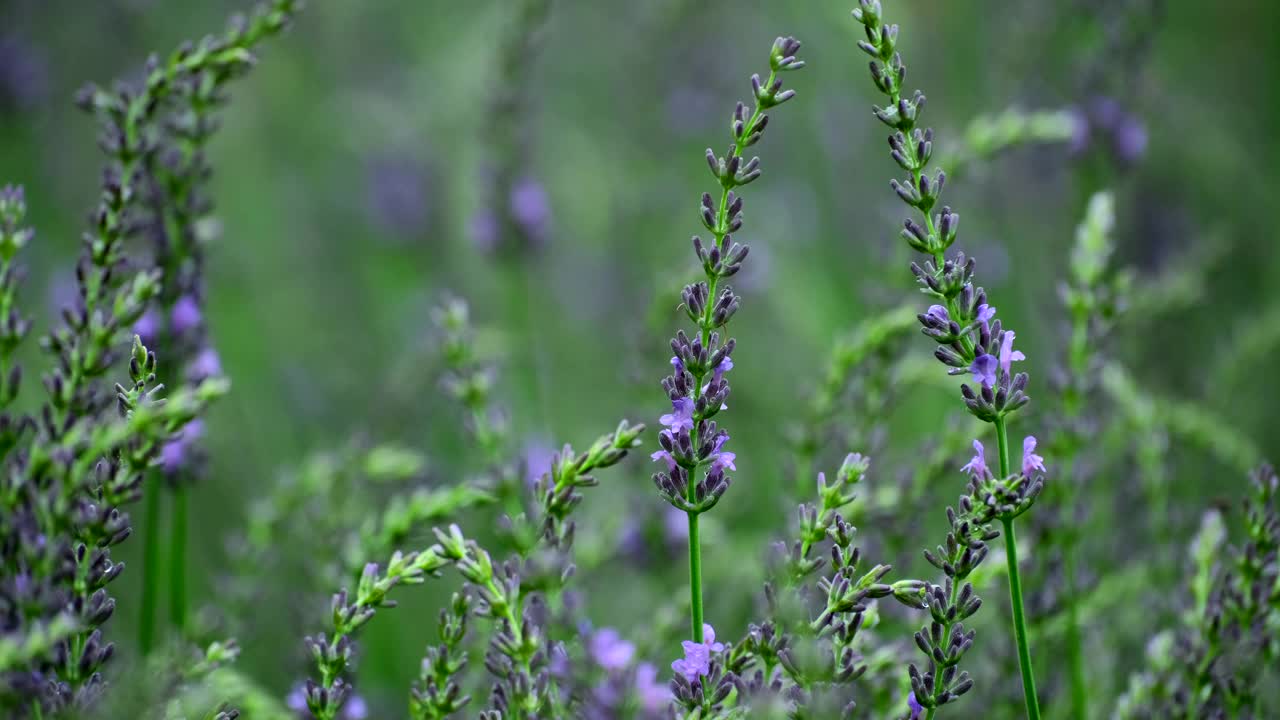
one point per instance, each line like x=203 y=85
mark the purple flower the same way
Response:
x=914 y=706
x=654 y=695
x=175 y=453
x=723 y=460
x=681 y=415
x=484 y=230
x=610 y=650
x=675 y=526
x=296 y=700
x=939 y=314
x=24 y=74
x=664 y=455
x=185 y=315
x=725 y=366
x=985 y=313
x=677 y=364
x=398 y=194
x=697 y=656
x=147 y=326
x=1129 y=139
x=530 y=208
x=1007 y=353
x=977 y=466
x=1030 y=460
x=984 y=369
x=719 y=459
x=538 y=456
x=205 y=365
x=355 y=708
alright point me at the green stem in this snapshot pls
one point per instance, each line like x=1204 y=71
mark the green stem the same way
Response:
x=695 y=578
x=1020 y=623
x=1015 y=589
x=1075 y=639
x=178 y=560
x=150 y=565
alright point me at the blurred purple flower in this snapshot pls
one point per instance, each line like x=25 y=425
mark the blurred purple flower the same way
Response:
x=206 y=364
x=399 y=194
x=484 y=230
x=148 y=326
x=1103 y=120
x=675 y=525
x=24 y=74
x=355 y=708
x=697 y=656
x=176 y=453
x=1030 y=460
x=530 y=209
x=1129 y=140
x=939 y=314
x=538 y=456
x=185 y=315
x=977 y=466
x=1080 y=132
x=610 y=650
x=654 y=695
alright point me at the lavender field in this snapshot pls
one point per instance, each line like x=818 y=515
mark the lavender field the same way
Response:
x=521 y=359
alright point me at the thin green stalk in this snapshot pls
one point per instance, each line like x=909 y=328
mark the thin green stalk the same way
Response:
x=721 y=229
x=1075 y=650
x=695 y=578
x=178 y=560
x=1015 y=589
x=150 y=566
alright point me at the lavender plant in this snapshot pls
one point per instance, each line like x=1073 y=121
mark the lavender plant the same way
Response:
x=155 y=137
x=515 y=216
x=1212 y=665
x=71 y=469
x=516 y=634
x=821 y=655
x=519 y=650
x=692 y=440
x=970 y=341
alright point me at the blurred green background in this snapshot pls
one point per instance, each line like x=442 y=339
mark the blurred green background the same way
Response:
x=350 y=169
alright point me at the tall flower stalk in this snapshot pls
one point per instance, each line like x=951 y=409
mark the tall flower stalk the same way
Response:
x=155 y=136
x=692 y=443
x=970 y=339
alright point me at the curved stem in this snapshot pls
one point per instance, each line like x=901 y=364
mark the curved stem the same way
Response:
x=150 y=566
x=1015 y=589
